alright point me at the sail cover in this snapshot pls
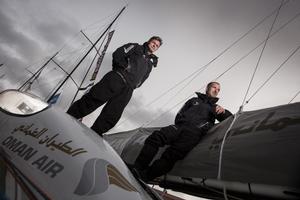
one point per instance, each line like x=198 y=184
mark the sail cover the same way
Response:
x=263 y=147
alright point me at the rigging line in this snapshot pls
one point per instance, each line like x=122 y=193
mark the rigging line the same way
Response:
x=73 y=55
x=294 y=96
x=42 y=59
x=85 y=46
x=221 y=150
x=43 y=84
x=182 y=88
x=97 y=50
x=95 y=33
x=242 y=58
x=181 y=91
x=198 y=71
x=153 y=101
x=94 y=24
x=159 y=116
x=65 y=44
x=36 y=73
x=54 y=88
x=76 y=34
x=246 y=55
x=73 y=52
x=92 y=62
x=64 y=71
x=71 y=60
x=260 y=56
x=273 y=73
x=222 y=146
x=37 y=77
x=204 y=67
x=116 y=25
x=78 y=49
x=85 y=55
x=97 y=29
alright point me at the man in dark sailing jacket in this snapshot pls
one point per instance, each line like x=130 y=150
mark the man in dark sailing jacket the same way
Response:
x=132 y=64
x=192 y=122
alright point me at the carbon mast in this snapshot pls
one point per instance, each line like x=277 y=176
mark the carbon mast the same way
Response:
x=77 y=65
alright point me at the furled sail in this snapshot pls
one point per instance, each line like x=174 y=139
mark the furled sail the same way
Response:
x=261 y=152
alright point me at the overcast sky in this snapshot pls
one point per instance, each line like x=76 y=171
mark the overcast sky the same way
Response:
x=194 y=33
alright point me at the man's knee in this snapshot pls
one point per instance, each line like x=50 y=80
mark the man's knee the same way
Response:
x=75 y=110
x=159 y=168
x=173 y=155
x=155 y=139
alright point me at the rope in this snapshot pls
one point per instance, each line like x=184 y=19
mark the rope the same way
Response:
x=241 y=107
x=262 y=52
x=198 y=71
x=157 y=98
x=221 y=150
x=232 y=66
x=159 y=116
x=246 y=55
x=274 y=73
x=294 y=97
x=91 y=64
x=180 y=90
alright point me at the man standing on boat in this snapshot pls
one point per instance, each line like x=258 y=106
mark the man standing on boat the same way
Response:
x=132 y=64
x=192 y=122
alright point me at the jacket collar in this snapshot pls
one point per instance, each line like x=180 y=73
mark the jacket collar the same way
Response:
x=146 y=50
x=151 y=56
x=212 y=100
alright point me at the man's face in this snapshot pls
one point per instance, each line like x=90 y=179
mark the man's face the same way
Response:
x=153 y=45
x=213 y=90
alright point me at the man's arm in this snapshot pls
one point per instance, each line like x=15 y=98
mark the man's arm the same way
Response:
x=145 y=77
x=154 y=61
x=186 y=106
x=121 y=54
x=222 y=113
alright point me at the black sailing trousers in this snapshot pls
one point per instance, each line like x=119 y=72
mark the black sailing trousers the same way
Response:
x=113 y=91
x=181 y=140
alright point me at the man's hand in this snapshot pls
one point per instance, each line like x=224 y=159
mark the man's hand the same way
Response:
x=220 y=109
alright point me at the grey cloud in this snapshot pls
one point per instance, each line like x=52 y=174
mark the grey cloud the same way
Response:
x=12 y=38
x=54 y=29
x=140 y=114
x=27 y=34
x=19 y=20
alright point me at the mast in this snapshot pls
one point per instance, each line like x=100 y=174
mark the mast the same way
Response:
x=97 y=53
x=36 y=74
x=93 y=46
x=98 y=64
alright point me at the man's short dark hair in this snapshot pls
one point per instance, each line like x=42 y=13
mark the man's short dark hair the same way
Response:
x=209 y=85
x=156 y=38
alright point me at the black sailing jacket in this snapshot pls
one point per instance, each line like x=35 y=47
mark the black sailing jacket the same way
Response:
x=133 y=63
x=199 y=110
